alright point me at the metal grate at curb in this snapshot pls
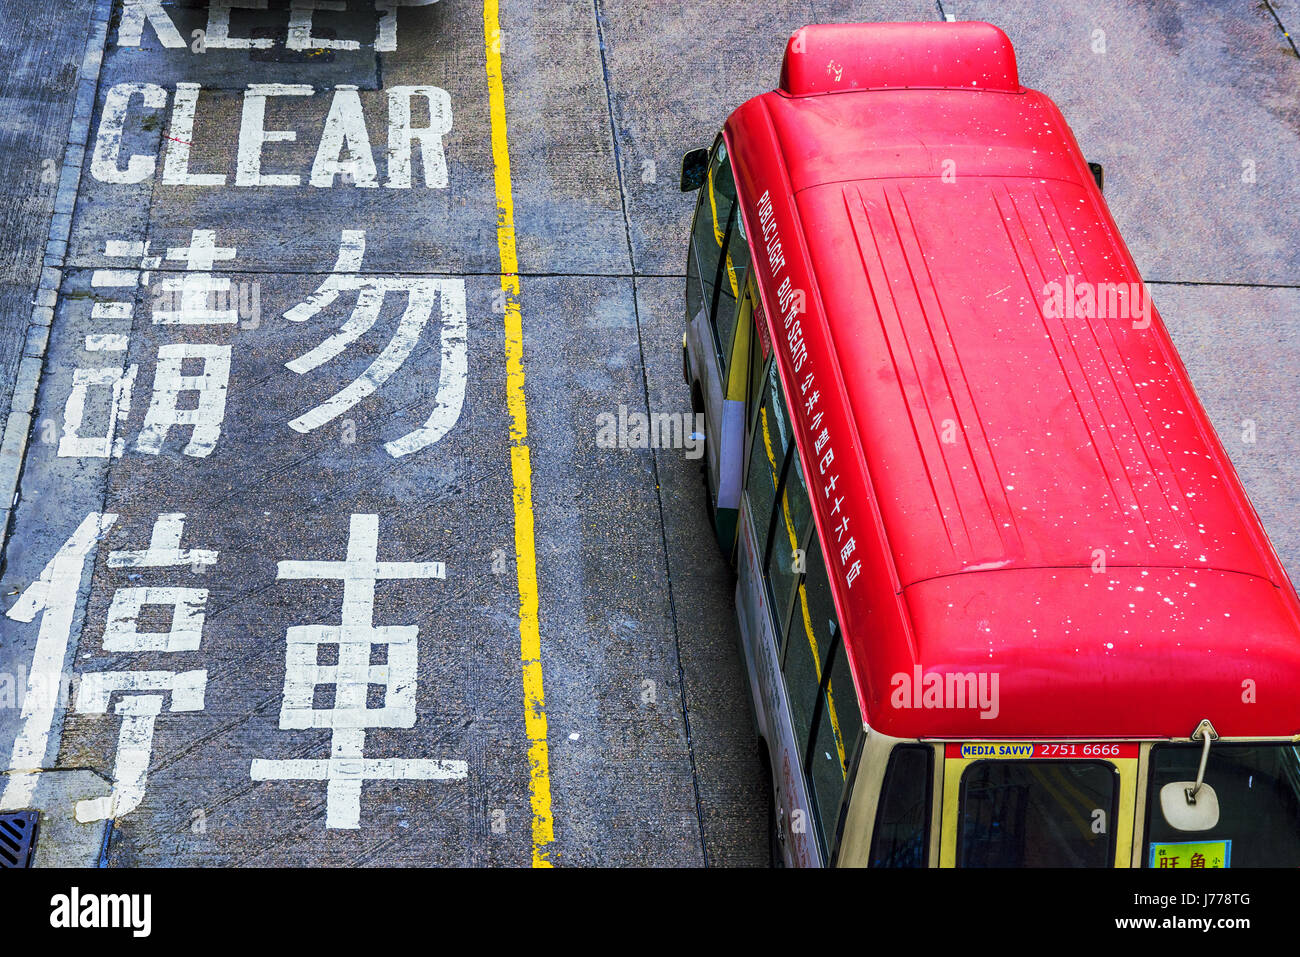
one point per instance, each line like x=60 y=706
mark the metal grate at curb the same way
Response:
x=17 y=838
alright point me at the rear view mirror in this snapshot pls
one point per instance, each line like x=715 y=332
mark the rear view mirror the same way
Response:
x=695 y=169
x=1186 y=814
x=1098 y=174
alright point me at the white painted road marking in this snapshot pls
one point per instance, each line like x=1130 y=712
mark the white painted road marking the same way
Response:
x=184 y=633
x=344 y=130
x=298 y=30
x=190 y=293
x=186 y=299
x=421 y=294
x=135 y=739
x=54 y=596
x=253 y=134
x=350 y=715
x=120 y=381
x=142 y=703
x=168 y=384
x=164 y=548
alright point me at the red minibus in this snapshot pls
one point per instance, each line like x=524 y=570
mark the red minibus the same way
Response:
x=1002 y=598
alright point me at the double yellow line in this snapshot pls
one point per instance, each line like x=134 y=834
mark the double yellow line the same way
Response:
x=530 y=639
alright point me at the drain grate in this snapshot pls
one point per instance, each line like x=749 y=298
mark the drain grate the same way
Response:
x=17 y=838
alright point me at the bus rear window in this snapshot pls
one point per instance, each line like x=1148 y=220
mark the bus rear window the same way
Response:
x=1258 y=787
x=1037 y=814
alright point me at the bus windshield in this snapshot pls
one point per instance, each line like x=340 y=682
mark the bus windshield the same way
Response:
x=1258 y=787
x=1037 y=814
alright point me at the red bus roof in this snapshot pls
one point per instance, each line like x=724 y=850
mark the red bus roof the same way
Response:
x=1007 y=479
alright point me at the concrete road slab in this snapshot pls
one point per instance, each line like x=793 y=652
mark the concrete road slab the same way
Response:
x=1192 y=110
x=1240 y=349
x=675 y=73
x=44 y=46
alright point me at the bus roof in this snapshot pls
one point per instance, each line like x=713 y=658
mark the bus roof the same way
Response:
x=1011 y=472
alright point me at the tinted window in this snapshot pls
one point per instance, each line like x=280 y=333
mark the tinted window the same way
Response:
x=842 y=706
x=824 y=707
x=813 y=629
x=731 y=285
x=1037 y=814
x=802 y=674
x=694 y=291
x=757 y=381
x=788 y=562
x=767 y=456
x=816 y=607
x=766 y=459
x=902 y=829
x=828 y=762
x=1258 y=787
x=776 y=432
x=838 y=724
x=717 y=197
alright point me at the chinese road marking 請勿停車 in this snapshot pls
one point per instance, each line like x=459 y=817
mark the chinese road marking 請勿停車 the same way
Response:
x=142 y=692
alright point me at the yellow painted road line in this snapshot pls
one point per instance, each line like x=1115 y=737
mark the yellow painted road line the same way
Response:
x=530 y=638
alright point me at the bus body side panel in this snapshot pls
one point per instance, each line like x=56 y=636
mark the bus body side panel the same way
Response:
x=729 y=446
x=875 y=607
x=704 y=368
x=724 y=424
x=771 y=705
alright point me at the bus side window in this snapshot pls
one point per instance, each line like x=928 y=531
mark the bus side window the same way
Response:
x=712 y=215
x=758 y=369
x=721 y=255
x=731 y=275
x=694 y=287
x=835 y=739
x=787 y=560
x=823 y=700
x=767 y=455
x=902 y=829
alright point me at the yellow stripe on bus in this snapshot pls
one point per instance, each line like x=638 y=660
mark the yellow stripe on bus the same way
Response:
x=803 y=600
x=738 y=377
x=530 y=639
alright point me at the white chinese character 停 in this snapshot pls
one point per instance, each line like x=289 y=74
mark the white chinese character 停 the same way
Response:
x=141 y=693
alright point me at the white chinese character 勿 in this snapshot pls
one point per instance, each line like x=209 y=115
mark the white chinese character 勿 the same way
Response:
x=422 y=293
